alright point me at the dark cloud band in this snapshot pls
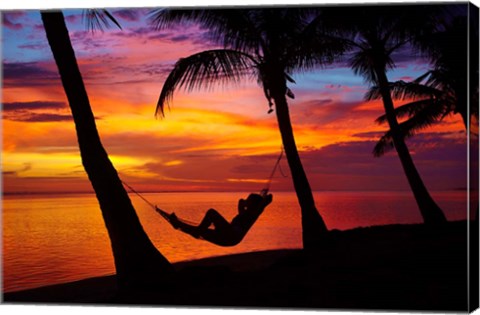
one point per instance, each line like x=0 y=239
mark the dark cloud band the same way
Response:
x=16 y=106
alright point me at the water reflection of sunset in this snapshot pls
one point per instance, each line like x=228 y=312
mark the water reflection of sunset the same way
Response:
x=79 y=246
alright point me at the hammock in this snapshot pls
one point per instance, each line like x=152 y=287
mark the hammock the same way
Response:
x=168 y=216
x=163 y=213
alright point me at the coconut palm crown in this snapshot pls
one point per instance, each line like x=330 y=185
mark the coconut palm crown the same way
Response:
x=378 y=36
x=441 y=91
x=265 y=44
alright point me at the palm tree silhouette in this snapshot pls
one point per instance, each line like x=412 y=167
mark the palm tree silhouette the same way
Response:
x=441 y=91
x=375 y=33
x=137 y=261
x=267 y=44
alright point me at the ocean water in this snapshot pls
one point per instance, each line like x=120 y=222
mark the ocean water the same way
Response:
x=54 y=239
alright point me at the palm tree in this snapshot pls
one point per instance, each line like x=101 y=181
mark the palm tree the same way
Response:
x=376 y=33
x=441 y=91
x=451 y=87
x=137 y=261
x=267 y=44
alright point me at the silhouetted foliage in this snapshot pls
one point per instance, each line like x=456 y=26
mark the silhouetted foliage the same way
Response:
x=441 y=91
x=376 y=34
x=97 y=19
x=267 y=44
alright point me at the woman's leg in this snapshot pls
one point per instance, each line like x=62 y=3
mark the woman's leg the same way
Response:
x=184 y=227
x=215 y=218
x=221 y=226
x=222 y=234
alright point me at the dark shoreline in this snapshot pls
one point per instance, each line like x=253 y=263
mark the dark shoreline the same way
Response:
x=393 y=267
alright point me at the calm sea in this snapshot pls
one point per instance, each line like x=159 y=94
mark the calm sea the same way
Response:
x=56 y=239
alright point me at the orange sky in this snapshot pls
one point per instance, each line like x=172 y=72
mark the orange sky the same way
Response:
x=209 y=140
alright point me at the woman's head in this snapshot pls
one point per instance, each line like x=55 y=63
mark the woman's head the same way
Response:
x=254 y=200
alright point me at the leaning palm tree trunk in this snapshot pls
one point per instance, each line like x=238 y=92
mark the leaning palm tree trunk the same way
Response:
x=431 y=212
x=313 y=227
x=136 y=259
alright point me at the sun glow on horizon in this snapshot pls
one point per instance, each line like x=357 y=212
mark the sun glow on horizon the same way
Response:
x=207 y=137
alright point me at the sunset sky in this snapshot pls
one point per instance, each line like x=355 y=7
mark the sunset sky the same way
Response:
x=219 y=140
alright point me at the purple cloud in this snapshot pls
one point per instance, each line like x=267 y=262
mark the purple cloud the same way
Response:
x=11 y=25
x=180 y=38
x=14 y=14
x=149 y=34
x=27 y=111
x=254 y=164
x=130 y=15
x=74 y=18
x=197 y=37
x=41 y=117
x=142 y=31
x=440 y=159
x=39 y=28
x=15 y=106
x=159 y=36
x=138 y=73
x=351 y=165
x=36 y=111
x=323 y=111
x=370 y=134
x=33 y=117
x=27 y=74
x=33 y=46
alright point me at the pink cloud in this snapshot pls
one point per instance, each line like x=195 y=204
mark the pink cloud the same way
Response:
x=130 y=15
x=11 y=25
x=406 y=78
x=73 y=18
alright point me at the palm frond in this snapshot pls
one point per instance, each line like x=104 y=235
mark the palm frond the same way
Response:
x=203 y=70
x=383 y=145
x=296 y=37
x=316 y=50
x=406 y=90
x=380 y=32
x=448 y=81
x=97 y=19
x=364 y=61
x=373 y=93
x=423 y=119
x=233 y=28
x=402 y=90
x=362 y=64
x=411 y=109
x=165 y=17
x=423 y=77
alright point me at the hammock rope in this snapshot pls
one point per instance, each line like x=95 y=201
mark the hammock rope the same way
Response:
x=139 y=195
x=265 y=190
x=167 y=215
x=163 y=213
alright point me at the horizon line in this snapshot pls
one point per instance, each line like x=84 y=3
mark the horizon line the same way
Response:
x=22 y=193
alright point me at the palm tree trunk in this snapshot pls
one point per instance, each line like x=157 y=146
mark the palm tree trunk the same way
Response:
x=462 y=105
x=313 y=227
x=136 y=259
x=465 y=120
x=431 y=212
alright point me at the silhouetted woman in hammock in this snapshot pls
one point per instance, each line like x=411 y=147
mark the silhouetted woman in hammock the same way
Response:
x=226 y=233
